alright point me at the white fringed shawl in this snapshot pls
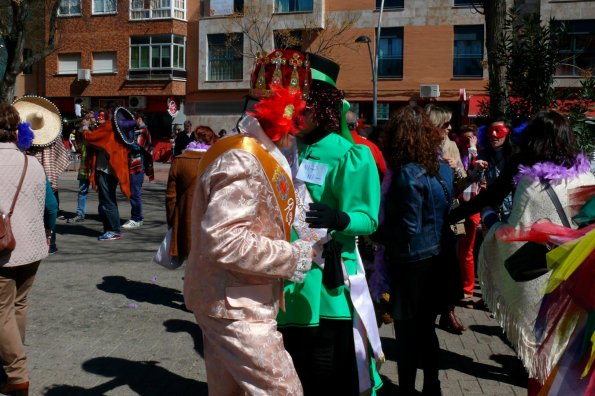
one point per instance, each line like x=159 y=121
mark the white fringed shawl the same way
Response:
x=516 y=304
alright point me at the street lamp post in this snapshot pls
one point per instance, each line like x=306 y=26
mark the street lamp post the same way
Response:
x=374 y=63
x=366 y=39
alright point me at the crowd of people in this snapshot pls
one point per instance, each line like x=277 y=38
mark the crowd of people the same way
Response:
x=275 y=224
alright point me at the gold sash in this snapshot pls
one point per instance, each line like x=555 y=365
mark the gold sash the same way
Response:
x=280 y=182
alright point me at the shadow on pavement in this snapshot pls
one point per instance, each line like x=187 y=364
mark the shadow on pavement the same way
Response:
x=389 y=347
x=143 y=292
x=78 y=229
x=144 y=378
x=388 y=387
x=493 y=331
x=185 y=326
x=509 y=370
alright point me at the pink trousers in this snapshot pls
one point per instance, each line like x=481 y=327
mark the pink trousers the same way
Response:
x=247 y=358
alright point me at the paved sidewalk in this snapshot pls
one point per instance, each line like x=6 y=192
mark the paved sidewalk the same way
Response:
x=105 y=320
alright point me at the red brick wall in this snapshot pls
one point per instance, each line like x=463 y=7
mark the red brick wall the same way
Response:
x=107 y=33
x=427 y=59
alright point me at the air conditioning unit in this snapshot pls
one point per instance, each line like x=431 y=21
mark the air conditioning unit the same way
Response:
x=85 y=102
x=84 y=75
x=137 y=102
x=429 y=91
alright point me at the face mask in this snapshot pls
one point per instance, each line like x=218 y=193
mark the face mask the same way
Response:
x=291 y=154
x=498 y=131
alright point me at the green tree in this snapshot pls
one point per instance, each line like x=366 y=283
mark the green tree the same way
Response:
x=576 y=106
x=22 y=22
x=530 y=50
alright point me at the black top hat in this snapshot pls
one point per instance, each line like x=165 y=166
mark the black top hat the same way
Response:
x=324 y=65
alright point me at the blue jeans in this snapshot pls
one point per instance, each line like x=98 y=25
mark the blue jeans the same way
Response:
x=136 y=199
x=108 y=206
x=81 y=209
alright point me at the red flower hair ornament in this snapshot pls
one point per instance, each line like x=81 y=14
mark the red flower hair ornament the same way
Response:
x=280 y=113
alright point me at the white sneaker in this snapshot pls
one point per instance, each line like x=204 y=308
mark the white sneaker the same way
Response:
x=130 y=224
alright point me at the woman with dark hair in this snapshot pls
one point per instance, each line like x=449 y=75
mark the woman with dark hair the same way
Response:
x=496 y=152
x=549 y=156
x=415 y=209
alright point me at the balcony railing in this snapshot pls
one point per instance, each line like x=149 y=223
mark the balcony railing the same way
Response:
x=143 y=13
x=159 y=74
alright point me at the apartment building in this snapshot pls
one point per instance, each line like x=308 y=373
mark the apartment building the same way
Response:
x=429 y=50
x=140 y=53
x=132 y=53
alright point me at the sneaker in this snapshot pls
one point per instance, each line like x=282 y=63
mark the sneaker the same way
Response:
x=52 y=250
x=109 y=236
x=75 y=219
x=130 y=224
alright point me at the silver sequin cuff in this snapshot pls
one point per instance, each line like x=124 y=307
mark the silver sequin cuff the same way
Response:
x=302 y=253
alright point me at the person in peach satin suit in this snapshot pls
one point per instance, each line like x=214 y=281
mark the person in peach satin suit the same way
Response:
x=240 y=255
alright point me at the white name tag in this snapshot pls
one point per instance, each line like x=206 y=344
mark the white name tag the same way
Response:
x=312 y=172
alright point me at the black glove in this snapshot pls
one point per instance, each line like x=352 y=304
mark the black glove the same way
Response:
x=323 y=216
x=332 y=274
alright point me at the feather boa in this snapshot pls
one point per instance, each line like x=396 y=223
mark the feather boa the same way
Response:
x=552 y=171
x=196 y=146
x=25 y=136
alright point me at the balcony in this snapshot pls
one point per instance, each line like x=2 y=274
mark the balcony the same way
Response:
x=141 y=10
x=156 y=75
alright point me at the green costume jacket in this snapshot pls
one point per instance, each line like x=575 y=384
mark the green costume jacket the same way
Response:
x=351 y=185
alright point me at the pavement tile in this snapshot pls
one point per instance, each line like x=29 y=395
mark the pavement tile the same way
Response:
x=101 y=323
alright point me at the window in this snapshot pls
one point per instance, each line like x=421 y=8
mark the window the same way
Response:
x=468 y=51
x=104 y=7
x=466 y=3
x=382 y=112
x=157 y=56
x=225 y=7
x=388 y=4
x=69 y=7
x=294 y=5
x=27 y=53
x=104 y=62
x=577 y=48
x=390 y=54
x=225 y=57
x=355 y=108
x=288 y=39
x=69 y=63
x=157 y=9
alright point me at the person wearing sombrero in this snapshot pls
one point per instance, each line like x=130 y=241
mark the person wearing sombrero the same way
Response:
x=140 y=160
x=47 y=146
x=109 y=166
x=242 y=212
x=329 y=326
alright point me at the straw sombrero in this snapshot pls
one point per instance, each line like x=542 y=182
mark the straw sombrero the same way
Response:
x=125 y=123
x=43 y=116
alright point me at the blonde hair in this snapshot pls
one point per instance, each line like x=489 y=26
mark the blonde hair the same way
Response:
x=438 y=115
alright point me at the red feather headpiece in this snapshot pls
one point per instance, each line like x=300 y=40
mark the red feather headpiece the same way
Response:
x=280 y=113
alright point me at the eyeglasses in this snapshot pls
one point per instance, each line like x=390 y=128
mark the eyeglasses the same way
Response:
x=446 y=125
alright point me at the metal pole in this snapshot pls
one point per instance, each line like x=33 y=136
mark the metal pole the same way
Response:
x=375 y=70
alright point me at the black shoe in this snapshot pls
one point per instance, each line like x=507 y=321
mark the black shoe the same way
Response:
x=52 y=250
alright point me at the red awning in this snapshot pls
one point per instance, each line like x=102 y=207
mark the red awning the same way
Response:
x=475 y=104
